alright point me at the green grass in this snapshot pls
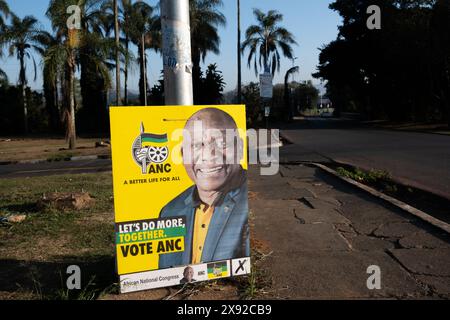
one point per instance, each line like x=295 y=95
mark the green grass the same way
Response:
x=90 y=291
x=257 y=282
x=96 y=236
x=50 y=240
x=380 y=180
x=19 y=196
x=60 y=157
x=315 y=112
x=372 y=176
x=253 y=285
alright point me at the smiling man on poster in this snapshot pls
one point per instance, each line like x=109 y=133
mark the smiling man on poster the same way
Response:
x=216 y=206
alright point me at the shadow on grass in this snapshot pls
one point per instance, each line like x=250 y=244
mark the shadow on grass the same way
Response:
x=27 y=207
x=47 y=280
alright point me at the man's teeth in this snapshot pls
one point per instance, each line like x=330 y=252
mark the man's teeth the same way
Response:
x=212 y=170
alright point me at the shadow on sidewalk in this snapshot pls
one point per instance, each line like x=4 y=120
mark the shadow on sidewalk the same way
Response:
x=363 y=196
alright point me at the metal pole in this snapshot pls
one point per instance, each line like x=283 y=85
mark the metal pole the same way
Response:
x=239 y=88
x=293 y=65
x=116 y=31
x=176 y=39
x=321 y=94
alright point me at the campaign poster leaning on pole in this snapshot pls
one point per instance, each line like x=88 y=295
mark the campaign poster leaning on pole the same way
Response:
x=180 y=194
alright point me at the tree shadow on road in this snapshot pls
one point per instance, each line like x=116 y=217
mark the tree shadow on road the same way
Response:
x=359 y=196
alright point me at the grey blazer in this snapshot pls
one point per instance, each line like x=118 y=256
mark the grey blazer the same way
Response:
x=228 y=233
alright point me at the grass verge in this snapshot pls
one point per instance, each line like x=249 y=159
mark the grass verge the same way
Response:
x=35 y=254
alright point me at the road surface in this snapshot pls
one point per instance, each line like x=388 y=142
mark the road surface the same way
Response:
x=54 y=168
x=420 y=160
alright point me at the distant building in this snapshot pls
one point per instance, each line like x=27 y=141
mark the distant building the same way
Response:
x=324 y=103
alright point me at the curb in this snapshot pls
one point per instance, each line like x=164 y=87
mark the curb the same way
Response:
x=411 y=131
x=283 y=137
x=399 y=204
x=76 y=158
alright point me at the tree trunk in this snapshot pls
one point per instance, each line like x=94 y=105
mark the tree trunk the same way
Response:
x=266 y=57
x=143 y=87
x=25 y=110
x=239 y=87
x=446 y=90
x=116 y=33
x=22 y=78
x=141 y=75
x=71 y=130
x=51 y=100
x=127 y=44
x=196 y=76
x=57 y=115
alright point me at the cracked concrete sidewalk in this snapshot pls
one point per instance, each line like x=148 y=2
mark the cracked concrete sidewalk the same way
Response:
x=320 y=235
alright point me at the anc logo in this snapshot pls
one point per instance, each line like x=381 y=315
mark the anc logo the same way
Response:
x=150 y=149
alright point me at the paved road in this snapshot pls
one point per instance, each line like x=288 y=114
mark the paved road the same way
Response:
x=54 y=168
x=418 y=159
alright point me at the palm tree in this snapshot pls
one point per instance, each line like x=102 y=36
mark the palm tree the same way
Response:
x=3 y=79
x=50 y=77
x=4 y=12
x=266 y=39
x=205 y=19
x=64 y=57
x=97 y=61
x=21 y=37
x=145 y=33
x=126 y=12
x=61 y=58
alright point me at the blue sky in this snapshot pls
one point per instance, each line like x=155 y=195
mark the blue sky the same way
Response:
x=311 y=22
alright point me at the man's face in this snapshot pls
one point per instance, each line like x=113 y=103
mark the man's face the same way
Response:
x=208 y=150
x=189 y=274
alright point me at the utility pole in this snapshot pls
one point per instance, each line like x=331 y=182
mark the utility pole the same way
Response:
x=239 y=86
x=321 y=94
x=293 y=65
x=177 y=59
x=116 y=31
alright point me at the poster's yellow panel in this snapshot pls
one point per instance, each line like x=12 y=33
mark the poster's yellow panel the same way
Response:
x=143 y=188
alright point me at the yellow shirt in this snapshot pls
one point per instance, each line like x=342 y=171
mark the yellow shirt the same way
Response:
x=203 y=216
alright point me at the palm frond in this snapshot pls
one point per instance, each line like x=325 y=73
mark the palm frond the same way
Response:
x=271 y=37
x=3 y=75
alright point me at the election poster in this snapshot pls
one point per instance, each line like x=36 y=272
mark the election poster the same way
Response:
x=180 y=194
